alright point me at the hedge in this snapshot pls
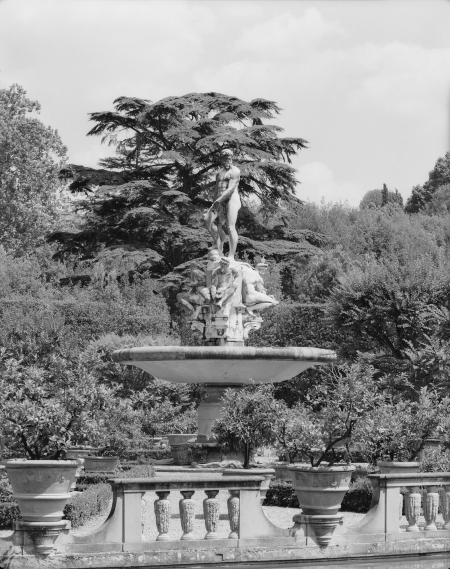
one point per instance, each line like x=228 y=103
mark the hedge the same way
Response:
x=9 y=511
x=93 y=501
x=155 y=454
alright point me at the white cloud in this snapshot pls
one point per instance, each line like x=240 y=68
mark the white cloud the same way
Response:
x=403 y=79
x=318 y=182
x=286 y=34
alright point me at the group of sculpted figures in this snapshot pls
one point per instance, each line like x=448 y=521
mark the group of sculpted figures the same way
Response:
x=226 y=284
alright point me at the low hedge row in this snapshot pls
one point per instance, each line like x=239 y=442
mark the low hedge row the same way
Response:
x=9 y=511
x=155 y=454
x=93 y=501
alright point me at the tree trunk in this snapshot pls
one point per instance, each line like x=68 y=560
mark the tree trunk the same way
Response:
x=247 y=455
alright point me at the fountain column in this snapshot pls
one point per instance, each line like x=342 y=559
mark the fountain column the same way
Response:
x=209 y=408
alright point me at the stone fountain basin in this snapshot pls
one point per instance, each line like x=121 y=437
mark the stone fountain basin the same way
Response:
x=223 y=365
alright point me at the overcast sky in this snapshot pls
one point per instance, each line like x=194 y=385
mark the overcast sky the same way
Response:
x=366 y=82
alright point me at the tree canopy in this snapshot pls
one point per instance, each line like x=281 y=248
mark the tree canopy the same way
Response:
x=31 y=155
x=144 y=208
x=176 y=142
x=437 y=178
x=379 y=198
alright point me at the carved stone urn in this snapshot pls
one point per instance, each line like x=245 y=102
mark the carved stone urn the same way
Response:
x=41 y=488
x=320 y=491
x=106 y=464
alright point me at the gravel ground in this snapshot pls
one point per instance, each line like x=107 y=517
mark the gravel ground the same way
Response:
x=281 y=517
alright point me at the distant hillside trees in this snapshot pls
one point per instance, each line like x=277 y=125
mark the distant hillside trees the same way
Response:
x=438 y=178
x=380 y=198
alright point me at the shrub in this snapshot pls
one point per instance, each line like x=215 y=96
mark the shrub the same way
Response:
x=435 y=460
x=139 y=471
x=9 y=511
x=247 y=420
x=344 y=398
x=359 y=496
x=157 y=454
x=5 y=490
x=92 y=502
x=281 y=493
x=93 y=479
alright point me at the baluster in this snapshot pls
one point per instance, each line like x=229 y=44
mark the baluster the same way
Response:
x=187 y=514
x=412 y=508
x=445 y=506
x=143 y=506
x=400 y=507
x=211 y=512
x=430 y=508
x=233 y=504
x=162 y=513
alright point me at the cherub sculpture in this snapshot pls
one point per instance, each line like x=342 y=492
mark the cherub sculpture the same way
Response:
x=224 y=283
x=198 y=294
x=254 y=295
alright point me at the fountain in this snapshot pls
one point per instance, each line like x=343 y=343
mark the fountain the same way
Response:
x=225 y=298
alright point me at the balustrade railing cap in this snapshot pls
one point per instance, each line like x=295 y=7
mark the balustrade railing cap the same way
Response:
x=411 y=476
x=190 y=481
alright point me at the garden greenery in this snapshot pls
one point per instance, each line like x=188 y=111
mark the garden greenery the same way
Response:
x=79 y=279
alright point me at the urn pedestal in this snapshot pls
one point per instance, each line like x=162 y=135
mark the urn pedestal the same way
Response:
x=320 y=491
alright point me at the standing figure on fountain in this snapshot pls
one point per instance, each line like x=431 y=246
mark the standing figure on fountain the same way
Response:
x=223 y=212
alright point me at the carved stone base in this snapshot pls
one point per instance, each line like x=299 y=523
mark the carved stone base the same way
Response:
x=322 y=526
x=43 y=536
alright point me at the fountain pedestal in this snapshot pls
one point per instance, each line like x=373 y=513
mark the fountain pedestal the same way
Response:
x=205 y=449
x=209 y=408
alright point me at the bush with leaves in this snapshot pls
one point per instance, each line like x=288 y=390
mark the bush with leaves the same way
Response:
x=93 y=501
x=44 y=412
x=248 y=420
x=435 y=459
x=330 y=416
x=400 y=313
x=399 y=430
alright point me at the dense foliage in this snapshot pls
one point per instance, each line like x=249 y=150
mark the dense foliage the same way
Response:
x=31 y=155
x=144 y=211
x=248 y=420
x=371 y=282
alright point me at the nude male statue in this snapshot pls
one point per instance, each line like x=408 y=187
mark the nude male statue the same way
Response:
x=224 y=283
x=223 y=212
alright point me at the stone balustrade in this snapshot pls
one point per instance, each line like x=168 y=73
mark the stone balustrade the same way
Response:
x=427 y=493
x=119 y=541
x=124 y=525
